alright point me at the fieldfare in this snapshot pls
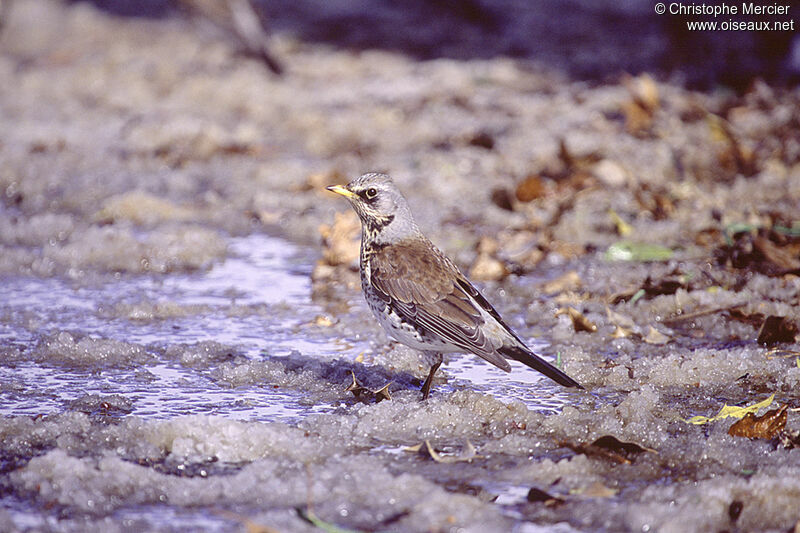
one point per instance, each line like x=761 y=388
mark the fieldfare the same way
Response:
x=418 y=295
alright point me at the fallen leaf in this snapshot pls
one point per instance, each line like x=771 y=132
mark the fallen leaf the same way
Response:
x=610 y=448
x=590 y=450
x=620 y=319
x=655 y=337
x=568 y=281
x=788 y=439
x=665 y=285
x=735 y=510
x=776 y=329
x=481 y=139
x=383 y=393
x=640 y=110
x=488 y=268
x=467 y=453
x=730 y=310
x=623 y=228
x=638 y=120
x=539 y=496
x=328 y=527
x=731 y=411
x=635 y=251
x=355 y=387
x=761 y=249
x=629 y=449
x=358 y=389
x=784 y=257
x=579 y=322
x=765 y=426
x=620 y=332
x=501 y=197
x=531 y=188
x=780 y=353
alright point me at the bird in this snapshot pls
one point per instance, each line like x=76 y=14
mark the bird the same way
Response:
x=418 y=295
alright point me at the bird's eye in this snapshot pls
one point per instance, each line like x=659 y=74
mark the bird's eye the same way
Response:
x=371 y=193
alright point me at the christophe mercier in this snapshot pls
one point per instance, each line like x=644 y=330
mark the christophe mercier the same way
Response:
x=748 y=8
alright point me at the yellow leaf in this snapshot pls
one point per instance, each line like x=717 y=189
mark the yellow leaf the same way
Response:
x=623 y=228
x=731 y=411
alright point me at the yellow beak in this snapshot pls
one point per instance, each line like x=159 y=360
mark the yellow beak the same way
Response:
x=339 y=189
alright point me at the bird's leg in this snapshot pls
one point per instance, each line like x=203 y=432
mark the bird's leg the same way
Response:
x=426 y=387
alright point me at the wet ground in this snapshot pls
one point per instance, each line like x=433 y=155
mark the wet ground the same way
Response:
x=180 y=316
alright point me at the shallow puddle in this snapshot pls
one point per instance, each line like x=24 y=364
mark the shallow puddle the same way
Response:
x=256 y=301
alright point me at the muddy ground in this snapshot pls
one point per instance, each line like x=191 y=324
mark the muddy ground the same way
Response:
x=647 y=234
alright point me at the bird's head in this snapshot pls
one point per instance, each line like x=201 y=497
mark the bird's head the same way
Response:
x=383 y=210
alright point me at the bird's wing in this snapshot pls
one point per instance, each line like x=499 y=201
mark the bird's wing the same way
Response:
x=426 y=288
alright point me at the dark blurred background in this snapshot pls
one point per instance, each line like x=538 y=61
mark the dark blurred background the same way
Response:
x=593 y=40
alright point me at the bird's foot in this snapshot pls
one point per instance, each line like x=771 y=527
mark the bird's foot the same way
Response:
x=426 y=387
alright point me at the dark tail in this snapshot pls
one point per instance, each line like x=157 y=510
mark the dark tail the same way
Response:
x=537 y=363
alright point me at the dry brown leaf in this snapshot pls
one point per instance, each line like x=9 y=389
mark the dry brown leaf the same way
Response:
x=620 y=332
x=358 y=390
x=788 y=439
x=579 y=322
x=539 y=496
x=785 y=257
x=619 y=319
x=568 y=281
x=610 y=448
x=488 y=268
x=570 y=298
x=467 y=453
x=765 y=426
x=776 y=329
x=383 y=393
x=656 y=337
x=609 y=442
x=637 y=119
x=356 y=387
x=530 y=188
